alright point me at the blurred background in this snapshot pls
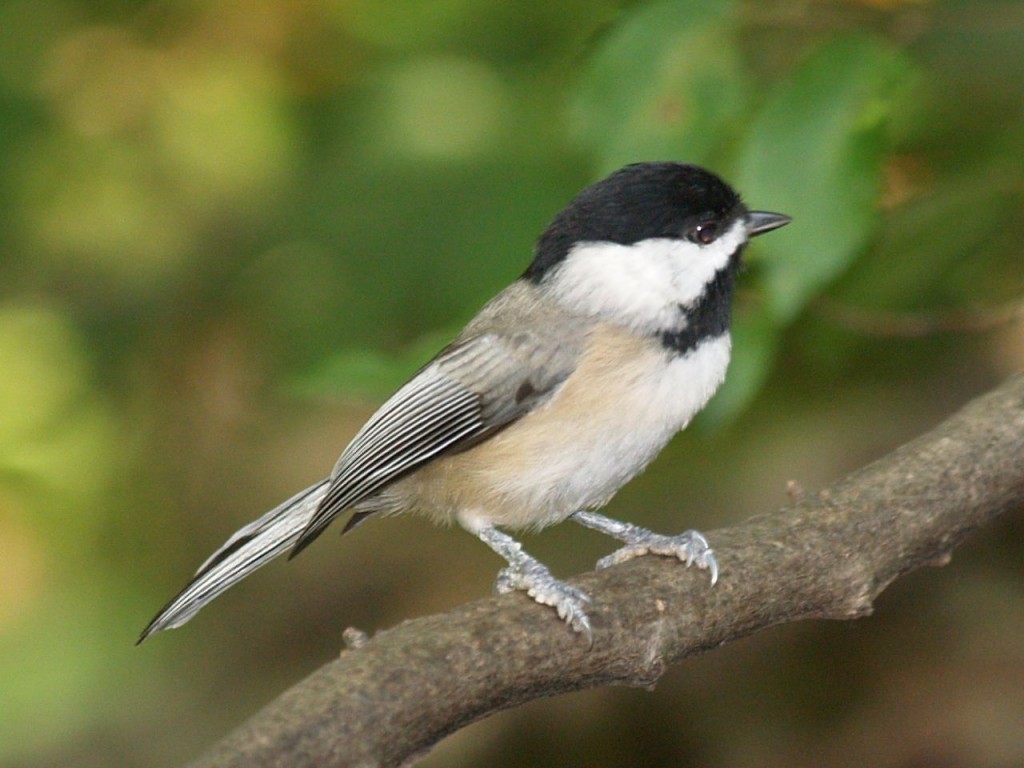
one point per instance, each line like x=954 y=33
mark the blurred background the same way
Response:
x=229 y=227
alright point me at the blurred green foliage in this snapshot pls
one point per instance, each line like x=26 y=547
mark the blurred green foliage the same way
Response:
x=228 y=228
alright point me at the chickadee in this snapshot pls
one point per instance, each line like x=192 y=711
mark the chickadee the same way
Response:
x=560 y=390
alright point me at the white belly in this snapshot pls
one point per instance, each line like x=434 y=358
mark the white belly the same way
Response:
x=609 y=420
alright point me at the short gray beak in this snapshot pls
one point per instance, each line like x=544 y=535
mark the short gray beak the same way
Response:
x=759 y=222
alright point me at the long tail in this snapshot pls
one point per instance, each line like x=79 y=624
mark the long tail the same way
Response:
x=251 y=547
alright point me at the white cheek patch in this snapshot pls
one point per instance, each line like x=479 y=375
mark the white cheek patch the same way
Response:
x=642 y=284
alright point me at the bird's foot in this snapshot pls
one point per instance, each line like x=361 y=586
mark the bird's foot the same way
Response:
x=528 y=575
x=533 y=578
x=690 y=547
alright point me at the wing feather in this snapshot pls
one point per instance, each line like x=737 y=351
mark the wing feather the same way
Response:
x=469 y=391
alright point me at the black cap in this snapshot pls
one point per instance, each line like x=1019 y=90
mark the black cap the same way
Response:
x=637 y=202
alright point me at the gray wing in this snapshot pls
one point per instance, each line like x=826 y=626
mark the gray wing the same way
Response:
x=472 y=389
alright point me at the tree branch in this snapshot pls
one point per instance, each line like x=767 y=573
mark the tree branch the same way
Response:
x=828 y=556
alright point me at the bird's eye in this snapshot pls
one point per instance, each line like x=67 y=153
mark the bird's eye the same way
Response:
x=704 y=234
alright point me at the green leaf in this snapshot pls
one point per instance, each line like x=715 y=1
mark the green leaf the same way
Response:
x=815 y=152
x=667 y=83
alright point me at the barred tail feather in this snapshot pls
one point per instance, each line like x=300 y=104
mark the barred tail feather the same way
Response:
x=249 y=548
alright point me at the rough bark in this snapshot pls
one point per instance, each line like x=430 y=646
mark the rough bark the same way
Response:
x=826 y=556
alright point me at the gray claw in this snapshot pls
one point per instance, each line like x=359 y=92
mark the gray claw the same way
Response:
x=506 y=582
x=690 y=547
x=535 y=580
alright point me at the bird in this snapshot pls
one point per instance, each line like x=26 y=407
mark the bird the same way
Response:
x=560 y=390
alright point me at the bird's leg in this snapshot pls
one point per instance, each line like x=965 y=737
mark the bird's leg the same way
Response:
x=531 y=576
x=691 y=547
